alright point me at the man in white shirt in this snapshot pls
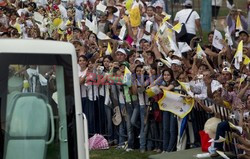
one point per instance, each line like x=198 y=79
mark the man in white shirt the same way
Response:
x=216 y=4
x=192 y=24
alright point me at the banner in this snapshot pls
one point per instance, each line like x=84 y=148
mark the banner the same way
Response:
x=176 y=103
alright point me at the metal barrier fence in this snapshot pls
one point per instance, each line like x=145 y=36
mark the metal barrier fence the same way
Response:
x=102 y=116
x=100 y=100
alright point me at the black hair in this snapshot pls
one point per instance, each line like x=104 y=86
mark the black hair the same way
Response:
x=131 y=53
x=138 y=66
x=83 y=56
x=108 y=57
x=211 y=32
x=170 y=72
x=152 y=54
x=94 y=35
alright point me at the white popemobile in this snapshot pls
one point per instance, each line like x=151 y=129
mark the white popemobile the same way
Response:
x=40 y=103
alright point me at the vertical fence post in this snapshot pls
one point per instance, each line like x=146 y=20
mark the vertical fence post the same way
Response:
x=206 y=10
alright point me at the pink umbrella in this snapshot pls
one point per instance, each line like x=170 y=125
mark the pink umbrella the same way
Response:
x=98 y=142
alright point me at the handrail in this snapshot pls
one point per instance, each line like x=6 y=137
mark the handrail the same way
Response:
x=52 y=126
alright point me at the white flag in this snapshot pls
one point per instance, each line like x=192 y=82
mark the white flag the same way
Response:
x=217 y=40
x=184 y=47
x=122 y=32
x=174 y=47
x=101 y=7
x=148 y=26
x=228 y=36
x=102 y=36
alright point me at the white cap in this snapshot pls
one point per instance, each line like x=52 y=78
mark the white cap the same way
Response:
x=158 y=4
x=121 y=51
x=140 y=59
x=188 y=3
x=176 y=61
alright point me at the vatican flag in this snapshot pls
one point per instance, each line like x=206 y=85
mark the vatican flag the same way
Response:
x=166 y=18
x=109 y=50
x=135 y=15
x=238 y=55
x=127 y=77
x=129 y=4
x=166 y=62
x=177 y=27
x=174 y=47
x=200 y=52
x=238 y=23
x=153 y=91
x=176 y=103
x=186 y=87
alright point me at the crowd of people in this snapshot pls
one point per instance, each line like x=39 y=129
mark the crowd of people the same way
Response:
x=125 y=48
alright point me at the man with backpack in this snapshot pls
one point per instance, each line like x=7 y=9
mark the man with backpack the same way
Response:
x=191 y=22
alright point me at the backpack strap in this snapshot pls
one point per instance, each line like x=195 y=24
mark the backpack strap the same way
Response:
x=189 y=16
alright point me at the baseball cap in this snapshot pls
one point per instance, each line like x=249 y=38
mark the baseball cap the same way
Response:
x=188 y=3
x=176 y=61
x=125 y=63
x=121 y=51
x=140 y=59
x=158 y=4
x=244 y=31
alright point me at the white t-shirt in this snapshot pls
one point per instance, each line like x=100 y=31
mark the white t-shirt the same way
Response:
x=217 y=3
x=182 y=16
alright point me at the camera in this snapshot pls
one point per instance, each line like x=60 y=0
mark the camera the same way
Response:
x=160 y=64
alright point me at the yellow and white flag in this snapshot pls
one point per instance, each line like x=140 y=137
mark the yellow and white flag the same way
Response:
x=238 y=23
x=135 y=15
x=200 y=52
x=186 y=87
x=127 y=77
x=129 y=4
x=109 y=50
x=177 y=27
x=174 y=47
x=153 y=91
x=238 y=55
x=176 y=103
x=166 y=18
x=166 y=62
